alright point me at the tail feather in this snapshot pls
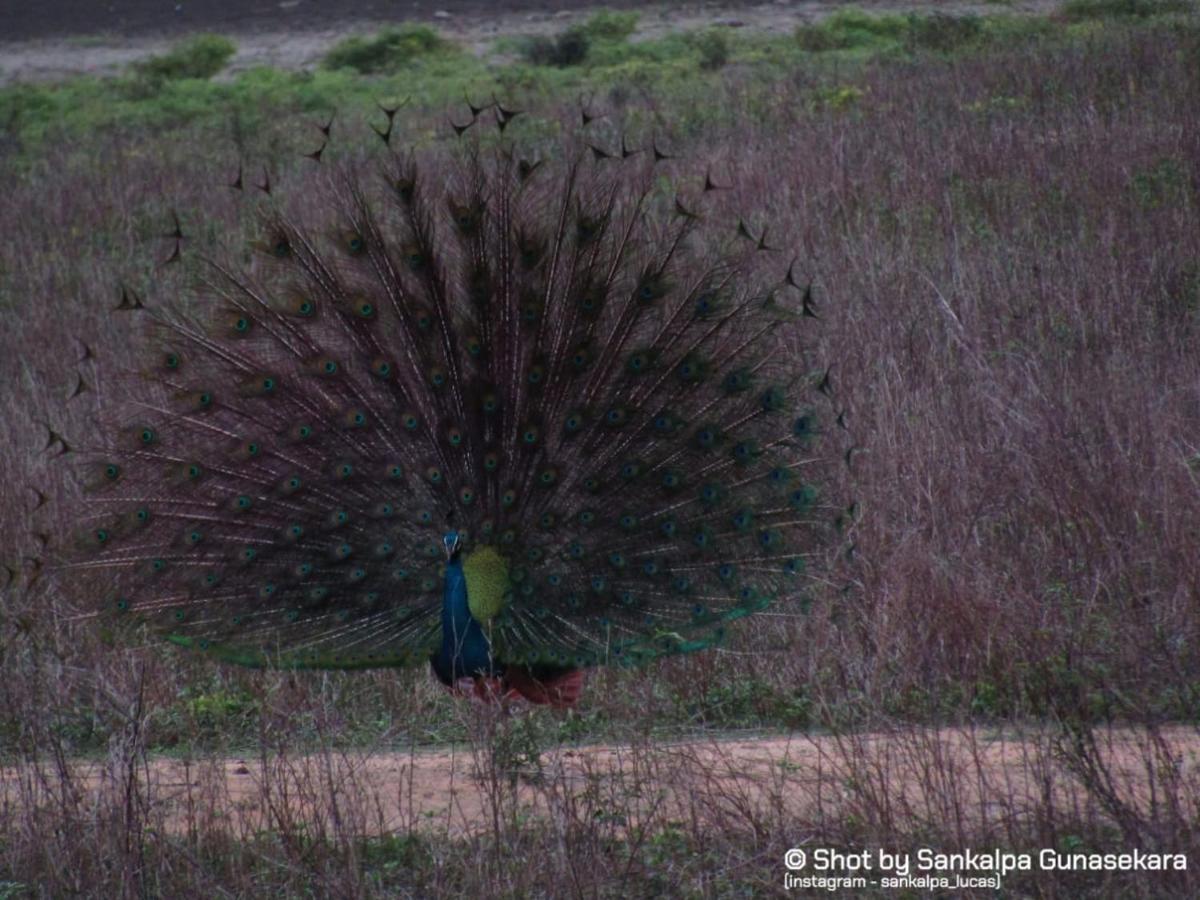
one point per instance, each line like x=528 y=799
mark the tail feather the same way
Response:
x=549 y=355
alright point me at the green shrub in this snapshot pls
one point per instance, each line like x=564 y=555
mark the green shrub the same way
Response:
x=713 y=45
x=391 y=49
x=567 y=49
x=200 y=57
x=849 y=28
x=1079 y=10
x=573 y=47
x=1015 y=29
x=942 y=32
x=607 y=25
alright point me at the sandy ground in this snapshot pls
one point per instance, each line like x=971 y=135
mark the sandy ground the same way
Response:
x=53 y=47
x=914 y=775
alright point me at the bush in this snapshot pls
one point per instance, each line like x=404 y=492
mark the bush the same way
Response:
x=607 y=25
x=713 y=45
x=389 y=50
x=573 y=46
x=942 y=32
x=849 y=28
x=853 y=28
x=568 y=49
x=200 y=57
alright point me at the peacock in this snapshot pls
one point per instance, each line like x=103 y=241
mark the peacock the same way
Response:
x=509 y=407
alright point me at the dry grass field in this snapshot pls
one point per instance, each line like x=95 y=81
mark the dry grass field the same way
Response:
x=1001 y=218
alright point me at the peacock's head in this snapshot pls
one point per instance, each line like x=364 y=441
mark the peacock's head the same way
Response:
x=451 y=542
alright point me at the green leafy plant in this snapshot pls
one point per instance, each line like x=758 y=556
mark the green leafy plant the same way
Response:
x=713 y=47
x=609 y=25
x=943 y=32
x=389 y=50
x=200 y=57
x=850 y=29
x=570 y=48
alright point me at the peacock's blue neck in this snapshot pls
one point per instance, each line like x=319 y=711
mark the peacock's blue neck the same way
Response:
x=465 y=649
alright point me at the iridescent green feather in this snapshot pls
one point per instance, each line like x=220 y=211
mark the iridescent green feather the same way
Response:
x=547 y=359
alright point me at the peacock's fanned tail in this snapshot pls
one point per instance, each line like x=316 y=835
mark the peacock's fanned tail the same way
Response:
x=566 y=359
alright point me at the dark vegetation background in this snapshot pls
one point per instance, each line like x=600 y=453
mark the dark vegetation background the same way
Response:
x=1000 y=217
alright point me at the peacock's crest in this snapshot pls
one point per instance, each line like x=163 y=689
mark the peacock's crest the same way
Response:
x=553 y=371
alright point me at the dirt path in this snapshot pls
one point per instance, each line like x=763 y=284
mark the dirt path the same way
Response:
x=59 y=38
x=982 y=777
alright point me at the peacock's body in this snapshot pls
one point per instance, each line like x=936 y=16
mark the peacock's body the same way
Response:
x=517 y=418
